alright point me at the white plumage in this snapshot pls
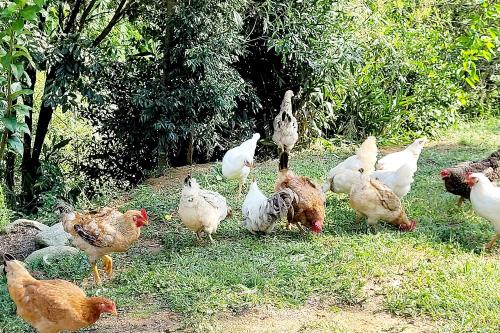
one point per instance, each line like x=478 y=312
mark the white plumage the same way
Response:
x=408 y=156
x=341 y=178
x=398 y=181
x=201 y=210
x=261 y=213
x=485 y=199
x=237 y=162
x=285 y=125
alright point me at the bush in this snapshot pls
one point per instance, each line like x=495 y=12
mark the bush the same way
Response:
x=4 y=212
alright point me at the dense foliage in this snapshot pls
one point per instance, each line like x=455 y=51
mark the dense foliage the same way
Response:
x=172 y=82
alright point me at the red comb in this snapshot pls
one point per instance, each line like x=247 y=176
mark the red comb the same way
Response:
x=144 y=213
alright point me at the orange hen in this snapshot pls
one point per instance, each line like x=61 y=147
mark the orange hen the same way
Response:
x=101 y=233
x=309 y=209
x=52 y=306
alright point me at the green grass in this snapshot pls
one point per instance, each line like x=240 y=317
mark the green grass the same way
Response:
x=440 y=269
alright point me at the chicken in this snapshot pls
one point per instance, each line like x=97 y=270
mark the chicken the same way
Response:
x=408 y=156
x=52 y=306
x=454 y=177
x=201 y=210
x=101 y=233
x=341 y=178
x=238 y=161
x=372 y=199
x=398 y=181
x=309 y=208
x=261 y=213
x=285 y=125
x=485 y=199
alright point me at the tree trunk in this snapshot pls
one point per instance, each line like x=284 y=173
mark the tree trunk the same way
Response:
x=190 y=151
x=169 y=33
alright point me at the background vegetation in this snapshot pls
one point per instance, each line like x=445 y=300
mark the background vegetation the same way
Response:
x=99 y=94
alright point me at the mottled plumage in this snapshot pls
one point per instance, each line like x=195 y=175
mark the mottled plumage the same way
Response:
x=261 y=213
x=454 y=177
x=285 y=125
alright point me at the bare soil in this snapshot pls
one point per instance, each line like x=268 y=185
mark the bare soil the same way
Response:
x=20 y=242
x=162 y=322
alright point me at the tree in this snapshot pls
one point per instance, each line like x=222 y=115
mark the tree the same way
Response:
x=69 y=34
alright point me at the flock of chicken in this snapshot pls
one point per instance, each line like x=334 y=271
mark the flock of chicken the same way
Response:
x=375 y=190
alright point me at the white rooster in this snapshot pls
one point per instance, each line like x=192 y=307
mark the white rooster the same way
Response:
x=238 y=161
x=408 y=156
x=399 y=181
x=341 y=178
x=485 y=199
x=201 y=210
x=285 y=125
x=261 y=213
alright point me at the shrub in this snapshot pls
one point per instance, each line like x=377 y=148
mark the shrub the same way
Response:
x=4 y=211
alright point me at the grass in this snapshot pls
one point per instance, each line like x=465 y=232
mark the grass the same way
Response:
x=438 y=271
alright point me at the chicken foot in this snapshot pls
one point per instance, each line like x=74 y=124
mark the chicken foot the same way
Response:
x=108 y=264
x=492 y=242
x=95 y=271
x=460 y=201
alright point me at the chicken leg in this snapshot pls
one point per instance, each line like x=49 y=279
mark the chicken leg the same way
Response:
x=460 y=201
x=492 y=242
x=108 y=264
x=95 y=271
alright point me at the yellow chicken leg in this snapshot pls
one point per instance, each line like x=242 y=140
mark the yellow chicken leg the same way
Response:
x=492 y=242
x=108 y=264
x=97 y=277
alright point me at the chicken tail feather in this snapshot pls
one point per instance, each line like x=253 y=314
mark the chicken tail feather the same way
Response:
x=283 y=161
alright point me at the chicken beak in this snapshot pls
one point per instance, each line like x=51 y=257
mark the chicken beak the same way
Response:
x=146 y=222
x=115 y=313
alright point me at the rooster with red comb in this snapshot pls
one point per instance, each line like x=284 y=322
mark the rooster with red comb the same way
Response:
x=100 y=233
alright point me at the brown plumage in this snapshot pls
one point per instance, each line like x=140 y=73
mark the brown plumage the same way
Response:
x=52 y=306
x=101 y=233
x=454 y=177
x=309 y=209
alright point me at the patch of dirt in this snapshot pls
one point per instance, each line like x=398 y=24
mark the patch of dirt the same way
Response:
x=20 y=242
x=173 y=177
x=367 y=319
x=163 y=322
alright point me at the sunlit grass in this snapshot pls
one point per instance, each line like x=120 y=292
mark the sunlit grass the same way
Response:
x=437 y=271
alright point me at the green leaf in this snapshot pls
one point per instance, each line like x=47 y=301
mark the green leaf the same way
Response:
x=21 y=92
x=22 y=110
x=17 y=70
x=61 y=144
x=9 y=10
x=16 y=145
x=10 y=124
x=29 y=12
x=23 y=128
x=18 y=25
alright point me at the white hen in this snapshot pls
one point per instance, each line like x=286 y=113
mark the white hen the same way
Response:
x=285 y=125
x=341 y=178
x=261 y=213
x=237 y=162
x=485 y=199
x=201 y=210
x=408 y=156
x=398 y=181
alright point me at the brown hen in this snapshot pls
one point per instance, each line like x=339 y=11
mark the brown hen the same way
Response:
x=52 y=306
x=309 y=209
x=101 y=233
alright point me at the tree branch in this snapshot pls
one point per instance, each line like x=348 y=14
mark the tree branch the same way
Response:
x=85 y=15
x=72 y=17
x=120 y=10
